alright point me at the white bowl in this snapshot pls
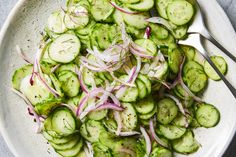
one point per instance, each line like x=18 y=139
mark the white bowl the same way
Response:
x=23 y=27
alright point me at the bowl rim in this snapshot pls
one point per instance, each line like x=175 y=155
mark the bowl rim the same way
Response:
x=4 y=30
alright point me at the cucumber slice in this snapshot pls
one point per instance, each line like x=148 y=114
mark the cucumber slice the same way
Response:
x=101 y=150
x=161 y=6
x=117 y=16
x=137 y=21
x=65 y=48
x=58 y=141
x=180 y=32
x=199 y=59
x=66 y=67
x=86 y=30
x=167 y=42
x=192 y=65
x=73 y=151
x=91 y=129
x=180 y=12
x=148 y=45
x=73 y=21
x=129 y=1
x=38 y=92
x=144 y=5
x=97 y=115
x=103 y=35
x=166 y=110
x=172 y=132
x=57 y=85
x=186 y=144
x=56 y=23
x=47 y=126
x=148 y=115
x=195 y=80
x=129 y=117
x=181 y=120
x=135 y=33
x=220 y=64
x=130 y=94
x=125 y=143
x=82 y=154
x=159 y=31
x=146 y=81
x=45 y=107
x=70 y=83
x=20 y=74
x=189 y=52
x=161 y=152
x=207 y=115
x=46 y=57
x=108 y=139
x=101 y=10
x=174 y=59
x=142 y=91
x=74 y=101
x=145 y=105
x=88 y=78
x=181 y=93
x=70 y=144
x=63 y=122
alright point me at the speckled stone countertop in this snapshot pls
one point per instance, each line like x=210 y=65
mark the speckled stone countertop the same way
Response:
x=228 y=5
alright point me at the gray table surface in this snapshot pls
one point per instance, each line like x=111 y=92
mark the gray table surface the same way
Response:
x=228 y=5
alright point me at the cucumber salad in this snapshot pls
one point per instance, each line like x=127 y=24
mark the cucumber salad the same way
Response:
x=110 y=80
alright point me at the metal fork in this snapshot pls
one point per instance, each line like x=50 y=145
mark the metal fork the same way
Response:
x=195 y=40
x=198 y=26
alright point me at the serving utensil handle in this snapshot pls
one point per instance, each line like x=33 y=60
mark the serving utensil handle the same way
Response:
x=206 y=34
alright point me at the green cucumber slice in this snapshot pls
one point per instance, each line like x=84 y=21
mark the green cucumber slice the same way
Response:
x=63 y=121
x=207 y=115
x=144 y=5
x=101 y=10
x=145 y=105
x=129 y=117
x=166 y=110
x=220 y=64
x=186 y=144
x=56 y=23
x=161 y=6
x=64 y=48
x=180 y=12
x=73 y=151
x=20 y=74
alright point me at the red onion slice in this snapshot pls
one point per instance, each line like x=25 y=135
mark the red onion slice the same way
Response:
x=89 y=149
x=118 y=121
x=22 y=55
x=154 y=135
x=162 y=21
x=120 y=81
x=52 y=90
x=82 y=84
x=122 y=9
x=178 y=103
x=110 y=106
x=81 y=105
x=71 y=107
x=55 y=68
x=147 y=32
x=36 y=116
x=131 y=133
x=139 y=51
x=128 y=151
x=147 y=140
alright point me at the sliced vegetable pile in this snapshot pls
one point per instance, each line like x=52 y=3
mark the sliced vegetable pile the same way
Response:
x=110 y=80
